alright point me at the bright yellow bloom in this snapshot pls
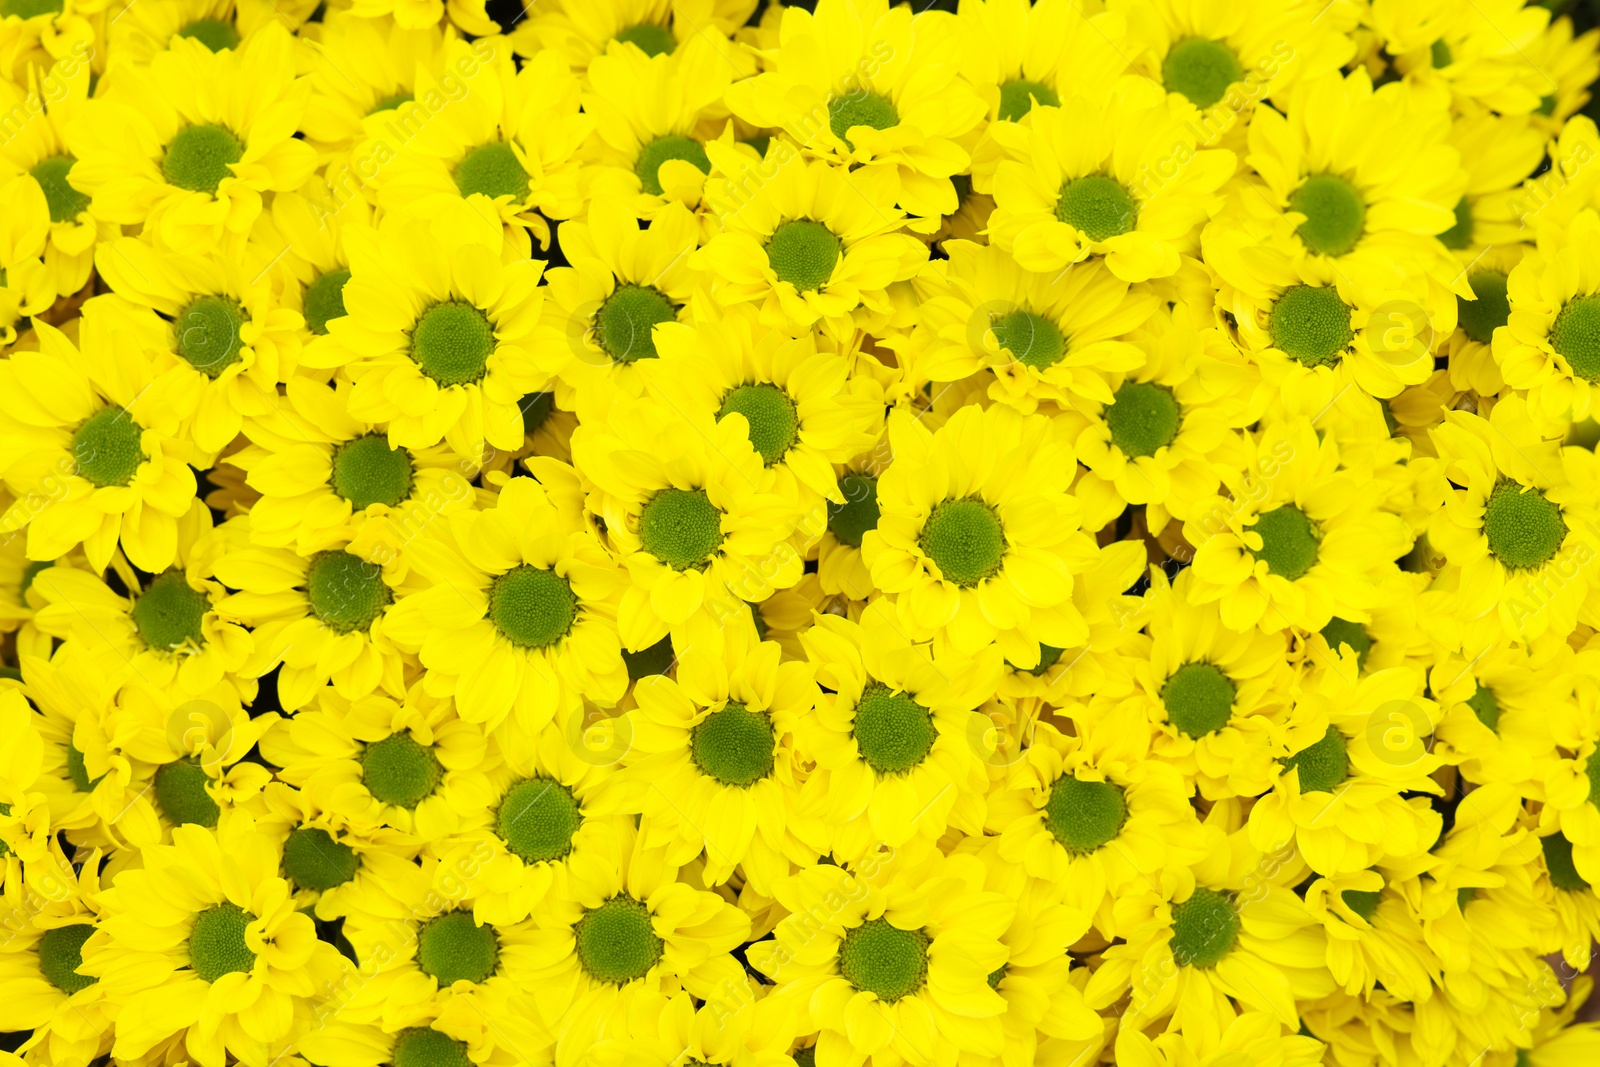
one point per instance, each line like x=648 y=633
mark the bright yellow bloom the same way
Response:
x=1471 y=57
x=363 y=71
x=1547 y=349
x=579 y=31
x=139 y=33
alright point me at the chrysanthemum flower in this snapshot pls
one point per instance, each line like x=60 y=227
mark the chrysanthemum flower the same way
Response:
x=304 y=233
x=1374 y=933
x=1470 y=349
x=739 y=1029
x=468 y=16
x=28 y=288
x=363 y=73
x=218 y=25
x=1497 y=705
x=333 y=868
x=1468 y=57
x=1569 y=60
x=579 y=31
x=456 y=1031
x=1498 y=152
x=841 y=567
x=1551 y=345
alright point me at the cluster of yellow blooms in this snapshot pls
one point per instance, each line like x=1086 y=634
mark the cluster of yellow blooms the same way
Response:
x=692 y=532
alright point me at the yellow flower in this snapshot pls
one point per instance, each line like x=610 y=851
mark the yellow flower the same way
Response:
x=1017 y=55
x=841 y=567
x=1470 y=349
x=363 y=71
x=738 y=1028
x=1547 y=348
x=467 y=16
x=579 y=31
x=140 y=34
x=305 y=235
x=1498 y=703
x=1374 y=932
x=1470 y=58
x=460 y=1029
x=1251 y=1037
x=1573 y=63
x=334 y=869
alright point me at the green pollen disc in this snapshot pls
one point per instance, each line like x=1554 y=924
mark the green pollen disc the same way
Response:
x=216 y=943
x=399 y=771
x=65 y=202
x=1082 y=815
x=215 y=34
x=803 y=252
x=1143 y=418
x=1364 y=902
x=346 y=593
x=860 y=108
x=181 y=795
x=1481 y=317
x=1576 y=336
x=452 y=343
x=657 y=659
x=1340 y=632
x=106 y=448
x=1460 y=235
x=532 y=607
x=494 y=170
x=893 y=732
x=773 y=418
x=61 y=953
x=617 y=942
x=314 y=860
x=1288 y=541
x=169 y=614
x=734 y=745
x=366 y=471
x=427 y=1047
x=1033 y=340
x=625 y=323
x=452 y=948
x=1547 y=104
x=1335 y=214
x=538 y=818
x=390 y=103
x=1323 y=765
x=1018 y=97
x=1310 y=324
x=324 y=300
x=681 y=528
x=649 y=38
x=1097 y=206
x=879 y=957
x=965 y=540
x=536 y=408
x=1558 y=861
x=1198 y=698
x=1523 y=528
x=207 y=334
x=199 y=157
x=29 y=9
x=1201 y=70
x=850 y=521
x=1204 y=929
x=1440 y=54
x=1486 y=707
x=657 y=152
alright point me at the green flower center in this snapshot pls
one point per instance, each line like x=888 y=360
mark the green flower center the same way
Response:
x=1032 y=340
x=681 y=528
x=427 y=1047
x=657 y=152
x=1335 y=214
x=850 y=521
x=1049 y=656
x=78 y=771
x=1342 y=633
x=366 y=471
x=324 y=300
x=1481 y=317
x=390 y=103
x=879 y=957
x=657 y=659
x=1576 y=336
x=538 y=818
x=532 y=607
x=734 y=745
x=346 y=593
x=1364 y=902
x=60 y=955
x=1084 y=815
x=215 y=34
x=313 y=860
x=453 y=948
x=452 y=343
x=182 y=797
x=1288 y=541
x=1143 y=418
x=1486 y=707
x=536 y=408
x=207 y=334
x=617 y=942
x=893 y=732
x=65 y=202
x=29 y=9
x=106 y=448
x=773 y=419
x=168 y=615
x=1018 y=97
x=1558 y=861
x=1201 y=70
x=1097 y=206
x=199 y=157
x=399 y=771
x=860 y=108
x=803 y=253
x=1440 y=54
x=1198 y=698
x=965 y=540
x=1460 y=235
x=1204 y=929
x=1323 y=765
x=492 y=170
x=1523 y=528
x=216 y=943
x=997 y=976
x=1310 y=324
x=649 y=38
x=624 y=323
x=1547 y=104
